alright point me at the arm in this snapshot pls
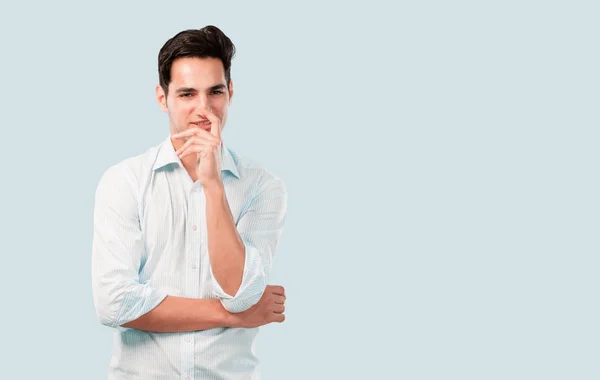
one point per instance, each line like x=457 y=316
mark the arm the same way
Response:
x=226 y=249
x=177 y=314
x=120 y=299
x=241 y=256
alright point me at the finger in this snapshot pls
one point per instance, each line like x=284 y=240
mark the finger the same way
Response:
x=185 y=145
x=196 y=141
x=188 y=151
x=276 y=289
x=279 y=299
x=194 y=131
x=215 y=128
x=278 y=308
x=279 y=317
x=197 y=149
x=184 y=134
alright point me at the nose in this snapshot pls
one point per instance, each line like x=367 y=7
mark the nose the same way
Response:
x=202 y=101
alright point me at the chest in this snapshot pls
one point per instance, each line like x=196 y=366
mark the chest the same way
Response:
x=173 y=216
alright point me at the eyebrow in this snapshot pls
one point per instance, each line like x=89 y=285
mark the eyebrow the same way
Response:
x=218 y=87
x=191 y=89
x=185 y=89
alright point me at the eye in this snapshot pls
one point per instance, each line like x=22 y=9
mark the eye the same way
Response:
x=217 y=92
x=185 y=95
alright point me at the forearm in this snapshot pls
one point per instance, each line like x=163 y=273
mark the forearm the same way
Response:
x=225 y=247
x=178 y=314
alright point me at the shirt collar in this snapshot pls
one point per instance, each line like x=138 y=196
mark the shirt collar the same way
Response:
x=166 y=155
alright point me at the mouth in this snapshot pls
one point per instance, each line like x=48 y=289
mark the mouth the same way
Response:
x=202 y=124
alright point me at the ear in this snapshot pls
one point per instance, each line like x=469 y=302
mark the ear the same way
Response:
x=161 y=98
x=230 y=90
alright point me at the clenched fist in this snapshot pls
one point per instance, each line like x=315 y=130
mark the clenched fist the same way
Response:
x=269 y=309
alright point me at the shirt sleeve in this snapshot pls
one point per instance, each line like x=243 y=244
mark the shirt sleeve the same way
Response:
x=117 y=249
x=260 y=228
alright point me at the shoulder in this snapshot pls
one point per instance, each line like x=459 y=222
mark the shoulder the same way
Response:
x=127 y=175
x=253 y=172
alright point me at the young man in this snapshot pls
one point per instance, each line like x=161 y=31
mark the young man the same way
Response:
x=185 y=233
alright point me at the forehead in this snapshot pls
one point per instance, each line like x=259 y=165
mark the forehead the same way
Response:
x=197 y=72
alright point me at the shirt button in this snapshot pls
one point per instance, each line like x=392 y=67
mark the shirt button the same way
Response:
x=194 y=227
x=193 y=266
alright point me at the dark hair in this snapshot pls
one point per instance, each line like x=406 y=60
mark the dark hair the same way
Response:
x=209 y=41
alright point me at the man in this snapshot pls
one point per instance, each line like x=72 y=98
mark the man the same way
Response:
x=185 y=234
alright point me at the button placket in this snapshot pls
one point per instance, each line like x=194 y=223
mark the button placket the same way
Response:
x=192 y=280
x=193 y=254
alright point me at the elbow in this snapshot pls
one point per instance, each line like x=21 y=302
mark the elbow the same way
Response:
x=105 y=313
x=251 y=297
x=251 y=288
x=119 y=304
x=108 y=318
x=107 y=301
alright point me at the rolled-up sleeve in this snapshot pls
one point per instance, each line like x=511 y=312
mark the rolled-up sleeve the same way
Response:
x=260 y=228
x=117 y=249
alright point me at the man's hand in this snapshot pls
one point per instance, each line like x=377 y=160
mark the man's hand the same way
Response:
x=269 y=309
x=207 y=147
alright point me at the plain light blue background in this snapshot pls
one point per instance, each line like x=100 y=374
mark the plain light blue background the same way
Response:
x=441 y=160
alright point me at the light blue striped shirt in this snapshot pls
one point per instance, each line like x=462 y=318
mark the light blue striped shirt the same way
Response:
x=150 y=241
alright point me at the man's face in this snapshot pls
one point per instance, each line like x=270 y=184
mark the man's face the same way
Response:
x=196 y=84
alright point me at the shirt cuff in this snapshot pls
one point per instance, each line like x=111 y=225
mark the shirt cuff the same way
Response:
x=254 y=282
x=135 y=306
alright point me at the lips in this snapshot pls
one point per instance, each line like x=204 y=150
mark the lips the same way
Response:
x=202 y=124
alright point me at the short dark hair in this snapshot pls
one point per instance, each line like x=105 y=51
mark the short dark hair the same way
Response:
x=209 y=41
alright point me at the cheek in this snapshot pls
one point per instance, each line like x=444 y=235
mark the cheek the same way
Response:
x=222 y=108
x=181 y=111
x=220 y=102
